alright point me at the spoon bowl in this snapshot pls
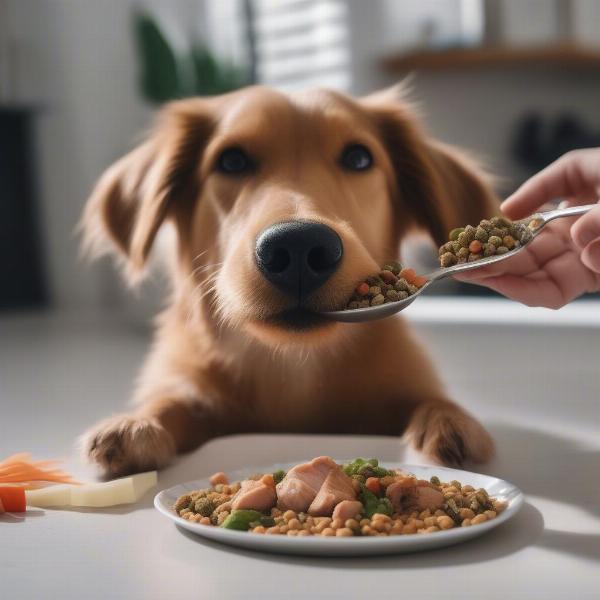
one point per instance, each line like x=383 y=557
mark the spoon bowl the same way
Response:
x=372 y=313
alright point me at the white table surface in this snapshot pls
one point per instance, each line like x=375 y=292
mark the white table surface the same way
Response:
x=536 y=386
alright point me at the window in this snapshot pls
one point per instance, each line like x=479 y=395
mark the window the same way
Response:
x=287 y=44
x=301 y=43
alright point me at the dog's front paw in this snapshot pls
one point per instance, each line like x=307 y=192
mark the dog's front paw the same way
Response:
x=449 y=435
x=126 y=444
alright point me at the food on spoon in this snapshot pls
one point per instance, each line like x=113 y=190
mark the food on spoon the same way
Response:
x=324 y=498
x=491 y=237
x=391 y=284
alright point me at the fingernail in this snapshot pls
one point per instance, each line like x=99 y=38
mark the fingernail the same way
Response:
x=584 y=238
x=591 y=257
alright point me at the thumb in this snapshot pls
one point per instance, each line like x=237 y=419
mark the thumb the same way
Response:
x=590 y=256
x=587 y=228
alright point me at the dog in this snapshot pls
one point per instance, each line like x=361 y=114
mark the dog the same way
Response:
x=281 y=204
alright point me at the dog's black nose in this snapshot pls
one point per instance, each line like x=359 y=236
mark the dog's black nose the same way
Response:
x=298 y=256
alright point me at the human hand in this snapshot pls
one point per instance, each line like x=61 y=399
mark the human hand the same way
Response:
x=563 y=261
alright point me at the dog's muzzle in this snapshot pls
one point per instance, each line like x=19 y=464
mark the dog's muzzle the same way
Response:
x=298 y=257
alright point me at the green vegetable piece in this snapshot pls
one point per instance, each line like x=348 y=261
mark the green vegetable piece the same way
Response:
x=204 y=507
x=278 y=476
x=365 y=468
x=394 y=266
x=373 y=504
x=241 y=519
x=455 y=233
x=452 y=510
x=367 y=471
x=182 y=502
x=435 y=480
x=359 y=478
x=353 y=467
x=267 y=521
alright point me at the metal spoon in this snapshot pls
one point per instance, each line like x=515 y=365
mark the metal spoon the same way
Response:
x=359 y=315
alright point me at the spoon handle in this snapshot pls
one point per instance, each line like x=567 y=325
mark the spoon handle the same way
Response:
x=571 y=211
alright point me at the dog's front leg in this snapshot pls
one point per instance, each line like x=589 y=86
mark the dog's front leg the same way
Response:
x=150 y=437
x=447 y=433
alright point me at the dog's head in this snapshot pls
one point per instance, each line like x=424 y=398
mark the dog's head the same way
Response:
x=283 y=203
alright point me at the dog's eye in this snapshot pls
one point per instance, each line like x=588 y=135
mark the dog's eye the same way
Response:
x=234 y=161
x=356 y=158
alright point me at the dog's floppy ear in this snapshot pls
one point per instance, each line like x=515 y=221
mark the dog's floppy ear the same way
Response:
x=439 y=184
x=136 y=194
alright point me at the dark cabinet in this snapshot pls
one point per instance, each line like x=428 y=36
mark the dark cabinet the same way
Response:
x=22 y=282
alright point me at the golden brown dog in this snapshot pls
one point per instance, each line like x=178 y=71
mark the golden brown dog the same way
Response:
x=281 y=204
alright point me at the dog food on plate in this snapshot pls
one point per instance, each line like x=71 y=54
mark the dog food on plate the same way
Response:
x=323 y=498
x=391 y=284
x=497 y=235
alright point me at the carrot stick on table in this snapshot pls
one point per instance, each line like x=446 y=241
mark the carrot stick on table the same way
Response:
x=12 y=499
x=19 y=468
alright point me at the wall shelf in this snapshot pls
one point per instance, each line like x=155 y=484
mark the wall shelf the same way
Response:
x=563 y=55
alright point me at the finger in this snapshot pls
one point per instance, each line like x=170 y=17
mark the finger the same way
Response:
x=587 y=228
x=590 y=256
x=570 y=175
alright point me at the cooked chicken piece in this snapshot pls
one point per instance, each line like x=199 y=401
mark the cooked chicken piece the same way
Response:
x=336 y=488
x=411 y=492
x=400 y=492
x=255 y=495
x=347 y=509
x=302 y=483
x=427 y=496
x=217 y=478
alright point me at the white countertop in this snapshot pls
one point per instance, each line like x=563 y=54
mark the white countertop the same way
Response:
x=536 y=388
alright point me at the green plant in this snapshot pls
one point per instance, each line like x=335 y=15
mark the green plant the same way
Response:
x=166 y=76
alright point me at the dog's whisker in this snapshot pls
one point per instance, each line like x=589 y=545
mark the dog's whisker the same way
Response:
x=199 y=256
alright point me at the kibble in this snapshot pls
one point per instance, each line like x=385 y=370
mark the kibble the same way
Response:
x=495 y=236
x=392 y=284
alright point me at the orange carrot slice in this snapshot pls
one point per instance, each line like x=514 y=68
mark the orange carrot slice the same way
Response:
x=420 y=281
x=408 y=274
x=12 y=499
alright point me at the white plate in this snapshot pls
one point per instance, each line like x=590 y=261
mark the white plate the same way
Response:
x=339 y=546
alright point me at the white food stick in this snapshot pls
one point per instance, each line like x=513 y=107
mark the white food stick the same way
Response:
x=126 y=490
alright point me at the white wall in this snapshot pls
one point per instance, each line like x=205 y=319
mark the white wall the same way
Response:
x=75 y=63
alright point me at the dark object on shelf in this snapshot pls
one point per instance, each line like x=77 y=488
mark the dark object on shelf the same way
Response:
x=538 y=142
x=22 y=282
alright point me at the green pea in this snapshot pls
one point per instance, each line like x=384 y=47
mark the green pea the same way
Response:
x=455 y=233
x=280 y=474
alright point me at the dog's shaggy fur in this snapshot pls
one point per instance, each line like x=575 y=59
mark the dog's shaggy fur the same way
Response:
x=221 y=361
